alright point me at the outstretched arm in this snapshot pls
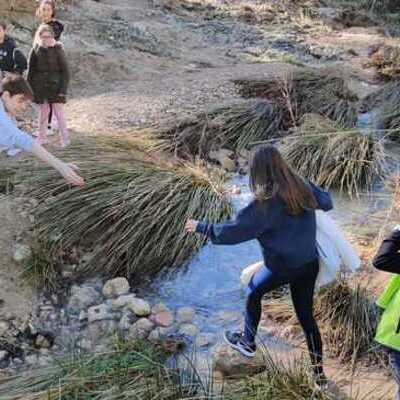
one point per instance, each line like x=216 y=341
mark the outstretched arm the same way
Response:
x=248 y=225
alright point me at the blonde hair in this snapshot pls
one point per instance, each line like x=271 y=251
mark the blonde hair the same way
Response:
x=42 y=28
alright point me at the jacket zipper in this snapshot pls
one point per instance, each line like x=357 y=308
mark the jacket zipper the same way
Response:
x=398 y=328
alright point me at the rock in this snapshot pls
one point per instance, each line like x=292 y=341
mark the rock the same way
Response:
x=99 y=313
x=44 y=361
x=140 y=307
x=83 y=316
x=116 y=287
x=83 y=297
x=205 y=339
x=158 y=308
x=85 y=344
x=228 y=165
x=188 y=330
x=31 y=359
x=4 y=327
x=24 y=6
x=122 y=301
x=163 y=318
x=231 y=363
x=228 y=317
x=185 y=314
x=158 y=334
x=22 y=253
x=141 y=329
x=100 y=329
x=127 y=320
x=44 y=341
x=4 y=356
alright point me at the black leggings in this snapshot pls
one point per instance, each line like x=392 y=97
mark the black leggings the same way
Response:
x=302 y=285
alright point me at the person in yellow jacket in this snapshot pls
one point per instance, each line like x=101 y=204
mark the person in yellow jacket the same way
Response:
x=388 y=332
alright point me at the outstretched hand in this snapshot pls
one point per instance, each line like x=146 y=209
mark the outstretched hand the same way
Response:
x=68 y=172
x=191 y=225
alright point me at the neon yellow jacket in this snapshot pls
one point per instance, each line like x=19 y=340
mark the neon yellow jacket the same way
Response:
x=388 y=332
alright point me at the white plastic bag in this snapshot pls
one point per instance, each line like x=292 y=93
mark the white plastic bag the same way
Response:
x=249 y=271
x=334 y=251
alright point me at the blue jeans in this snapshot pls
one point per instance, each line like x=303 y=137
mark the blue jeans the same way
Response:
x=395 y=362
x=302 y=284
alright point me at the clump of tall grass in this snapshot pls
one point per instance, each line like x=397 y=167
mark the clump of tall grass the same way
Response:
x=347 y=160
x=234 y=126
x=347 y=317
x=134 y=371
x=130 y=215
x=305 y=91
x=386 y=60
x=291 y=381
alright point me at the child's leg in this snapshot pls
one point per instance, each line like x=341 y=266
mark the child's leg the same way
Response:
x=395 y=361
x=58 y=110
x=302 y=291
x=44 y=111
x=262 y=282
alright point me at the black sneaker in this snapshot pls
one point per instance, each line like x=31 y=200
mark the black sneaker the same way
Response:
x=321 y=382
x=237 y=341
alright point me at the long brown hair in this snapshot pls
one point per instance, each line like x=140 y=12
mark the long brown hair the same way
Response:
x=51 y=3
x=271 y=176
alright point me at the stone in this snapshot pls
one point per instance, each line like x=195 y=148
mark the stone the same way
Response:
x=163 y=318
x=140 y=307
x=205 y=339
x=127 y=320
x=158 y=308
x=185 y=314
x=141 y=329
x=31 y=359
x=22 y=253
x=116 y=287
x=44 y=361
x=4 y=327
x=83 y=316
x=100 y=329
x=122 y=301
x=44 y=341
x=188 y=330
x=4 y=356
x=228 y=165
x=158 y=334
x=228 y=317
x=230 y=362
x=99 y=313
x=85 y=344
x=83 y=297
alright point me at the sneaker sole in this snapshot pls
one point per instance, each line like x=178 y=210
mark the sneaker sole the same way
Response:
x=238 y=348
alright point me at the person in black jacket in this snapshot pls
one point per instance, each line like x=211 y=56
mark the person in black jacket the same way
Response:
x=11 y=58
x=46 y=12
x=388 y=332
x=282 y=219
x=48 y=75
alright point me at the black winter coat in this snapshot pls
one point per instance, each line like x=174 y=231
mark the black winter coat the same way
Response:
x=11 y=58
x=48 y=74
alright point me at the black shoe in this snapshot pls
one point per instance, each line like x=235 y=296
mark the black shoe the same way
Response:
x=237 y=341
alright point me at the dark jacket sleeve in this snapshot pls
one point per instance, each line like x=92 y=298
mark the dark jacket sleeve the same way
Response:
x=31 y=66
x=324 y=199
x=249 y=224
x=20 y=61
x=388 y=256
x=62 y=59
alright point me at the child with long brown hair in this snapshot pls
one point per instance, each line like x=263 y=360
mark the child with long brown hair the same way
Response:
x=48 y=75
x=282 y=218
x=46 y=13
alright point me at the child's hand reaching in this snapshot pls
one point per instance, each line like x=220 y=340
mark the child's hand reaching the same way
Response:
x=191 y=225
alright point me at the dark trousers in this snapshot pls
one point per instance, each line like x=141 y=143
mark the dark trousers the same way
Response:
x=302 y=284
